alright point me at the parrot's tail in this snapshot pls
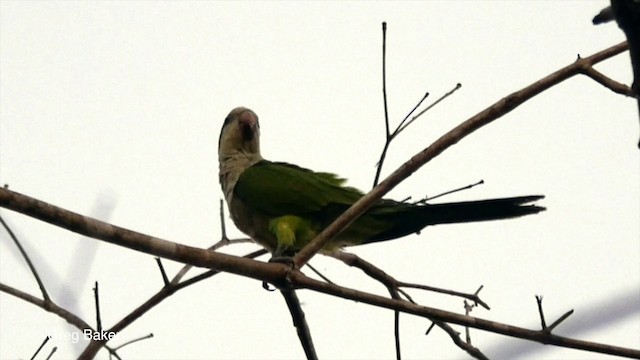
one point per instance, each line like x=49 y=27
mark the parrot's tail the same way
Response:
x=414 y=218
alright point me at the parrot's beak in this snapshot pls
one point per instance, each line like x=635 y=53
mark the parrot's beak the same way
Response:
x=248 y=123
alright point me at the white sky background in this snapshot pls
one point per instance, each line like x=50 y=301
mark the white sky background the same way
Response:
x=113 y=109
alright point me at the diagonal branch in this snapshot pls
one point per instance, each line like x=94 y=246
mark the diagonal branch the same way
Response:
x=479 y=120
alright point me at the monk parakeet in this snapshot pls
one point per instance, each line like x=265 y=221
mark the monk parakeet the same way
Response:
x=283 y=206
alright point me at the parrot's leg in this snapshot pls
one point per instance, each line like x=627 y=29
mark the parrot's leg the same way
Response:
x=285 y=228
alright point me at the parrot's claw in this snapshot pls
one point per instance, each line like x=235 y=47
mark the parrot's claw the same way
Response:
x=265 y=285
x=281 y=255
x=287 y=260
x=282 y=259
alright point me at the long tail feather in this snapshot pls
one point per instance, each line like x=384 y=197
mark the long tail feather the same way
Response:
x=415 y=217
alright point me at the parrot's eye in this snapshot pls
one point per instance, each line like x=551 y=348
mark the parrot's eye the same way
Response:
x=247 y=132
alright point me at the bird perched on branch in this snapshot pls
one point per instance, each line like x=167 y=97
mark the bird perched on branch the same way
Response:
x=283 y=206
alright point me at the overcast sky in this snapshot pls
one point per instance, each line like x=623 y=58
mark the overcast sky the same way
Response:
x=113 y=110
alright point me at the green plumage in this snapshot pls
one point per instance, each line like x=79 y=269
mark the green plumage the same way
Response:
x=300 y=203
x=283 y=206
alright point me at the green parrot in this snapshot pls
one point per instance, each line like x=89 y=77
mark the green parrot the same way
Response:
x=283 y=206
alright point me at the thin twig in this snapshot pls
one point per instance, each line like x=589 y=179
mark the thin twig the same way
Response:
x=165 y=279
x=467 y=310
x=446 y=95
x=375 y=272
x=97 y=301
x=473 y=297
x=133 y=341
x=400 y=126
x=320 y=274
x=53 y=351
x=560 y=319
x=452 y=191
x=224 y=241
x=46 y=339
x=390 y=137
x=541 y=312
x=50 y=306
x=384 y=101
x=447 y=140
x=430 y=328
x=26 y=258
x=396 y=322
x=609 y=83
x=455 y=336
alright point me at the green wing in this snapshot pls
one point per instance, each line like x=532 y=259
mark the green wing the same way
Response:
x=278 y=189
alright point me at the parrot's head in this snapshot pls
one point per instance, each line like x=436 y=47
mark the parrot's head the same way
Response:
x=240 y=134
x=238 y=146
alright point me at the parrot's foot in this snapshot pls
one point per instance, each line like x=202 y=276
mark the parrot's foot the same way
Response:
x=281 y=255
x=282 y=259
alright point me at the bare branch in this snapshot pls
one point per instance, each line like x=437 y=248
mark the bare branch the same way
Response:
x=134 y=340
x=446 y=95
x=320 y=274
x=455 y=336
x=97 y=301
x=384 y=101
x=452 y=137
x=301 y=281
x=50 y=306
x=608 y=82
x=466 y=187
x=275 y=272
x=262 y=271
x=391 y=136
x=560 y=319
x=376 y=273
x=46 y=339
x=299 y=321
x=165 y=279
x=542 y=321
x=26 y=258
x=53 y=351
x=134 y=240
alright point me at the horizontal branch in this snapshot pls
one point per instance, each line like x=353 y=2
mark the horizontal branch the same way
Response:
x=134 y=240
x=272 y=272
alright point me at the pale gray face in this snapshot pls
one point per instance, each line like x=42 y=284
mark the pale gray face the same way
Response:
x=240 y=131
